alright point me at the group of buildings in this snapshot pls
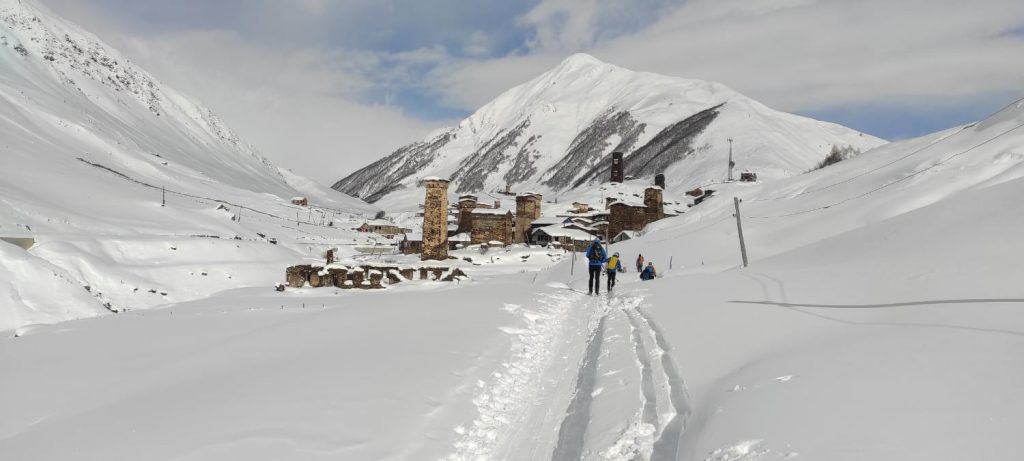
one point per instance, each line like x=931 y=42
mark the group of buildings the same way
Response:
x=470 y=221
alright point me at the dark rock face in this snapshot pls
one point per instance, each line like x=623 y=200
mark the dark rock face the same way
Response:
x=523 y=166
x=671 y=145
x=475 y=170
x=585 y=152
x=585 y=161
x=385 y=175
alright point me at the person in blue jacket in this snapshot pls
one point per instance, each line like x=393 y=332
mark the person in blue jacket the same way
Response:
x=648 y=273
x=596 y=257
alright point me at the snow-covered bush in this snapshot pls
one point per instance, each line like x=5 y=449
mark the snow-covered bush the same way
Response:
x=836 y=155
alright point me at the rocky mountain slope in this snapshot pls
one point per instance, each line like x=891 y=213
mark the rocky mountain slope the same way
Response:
x=557 y=132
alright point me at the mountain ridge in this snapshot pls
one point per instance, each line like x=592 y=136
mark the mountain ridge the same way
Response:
x=556 y=132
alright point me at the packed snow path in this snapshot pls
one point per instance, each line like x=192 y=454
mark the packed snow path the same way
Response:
x=588 y=377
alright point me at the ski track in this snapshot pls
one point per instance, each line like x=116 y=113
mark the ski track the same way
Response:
x=571 y=434
x=654 y=356
x=503 y=403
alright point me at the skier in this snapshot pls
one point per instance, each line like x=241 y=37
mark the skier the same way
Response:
x=596 y=256
x=640 y=263
x=613 y=266
x=649 y=273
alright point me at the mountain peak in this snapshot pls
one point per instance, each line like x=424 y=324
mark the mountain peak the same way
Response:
x=581 y=60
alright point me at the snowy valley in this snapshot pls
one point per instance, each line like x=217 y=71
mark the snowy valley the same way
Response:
x=880 y=316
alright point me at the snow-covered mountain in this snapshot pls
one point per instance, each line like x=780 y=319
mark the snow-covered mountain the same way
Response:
x=88 y=144
x=558 y=131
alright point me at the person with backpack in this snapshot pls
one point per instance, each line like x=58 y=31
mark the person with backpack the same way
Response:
x=613 y=266
x=640 y=263
x=648 y=273
x=596 y=257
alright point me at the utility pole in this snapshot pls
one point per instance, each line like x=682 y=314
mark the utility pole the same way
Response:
x=739 y=229
x=731 y=163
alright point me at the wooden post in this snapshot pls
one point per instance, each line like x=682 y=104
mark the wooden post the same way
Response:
x=163 y=195
x=739 y=229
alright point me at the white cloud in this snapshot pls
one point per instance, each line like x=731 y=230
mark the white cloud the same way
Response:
x=791 y=54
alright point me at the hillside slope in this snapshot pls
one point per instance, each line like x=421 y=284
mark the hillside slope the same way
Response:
x=91 y=147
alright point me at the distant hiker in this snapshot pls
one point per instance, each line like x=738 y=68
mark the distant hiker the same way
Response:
x=613 y=266
x=648 y=273
x=639 y=263
x=596 y=257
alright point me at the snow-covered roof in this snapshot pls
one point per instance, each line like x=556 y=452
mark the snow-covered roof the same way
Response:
x=628 y=234
x=498 y=211
x=463 y=237
x=414 y=236
x=549 y=220
x=629 y=203
x=558 y=231
x=435 y=178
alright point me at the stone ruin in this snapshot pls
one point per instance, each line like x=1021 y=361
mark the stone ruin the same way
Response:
x=365 y=276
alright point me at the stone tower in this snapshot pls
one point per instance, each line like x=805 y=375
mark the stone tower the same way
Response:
x=466 y=205
x=659 y=180
x=618 y=166
x=435 y=219
x=653 y=204
x=527 y=210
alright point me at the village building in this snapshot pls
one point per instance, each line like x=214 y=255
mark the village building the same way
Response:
x=458 y=241
x=411 y=243
x=580 y=208
x=527 y=210
x=654 y=202
x=626 y=215
x=435 y=219
x=570 y=239
x=489 y=224
x=465 y=207
x=381 y=227
x=300 y=201
x=625 y=235
x=618 y=167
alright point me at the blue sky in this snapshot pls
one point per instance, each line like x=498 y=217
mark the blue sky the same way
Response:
x=352 y=80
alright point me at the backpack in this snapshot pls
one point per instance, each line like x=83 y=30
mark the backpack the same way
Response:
x=594 y=254
x=612 y=262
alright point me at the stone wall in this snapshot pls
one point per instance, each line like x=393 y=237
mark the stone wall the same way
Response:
x=487 y=227
x=654 y=203
x=466 y=206
x=435 y=220
x=365 y=277
x=626 y=217
x=527 y=211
